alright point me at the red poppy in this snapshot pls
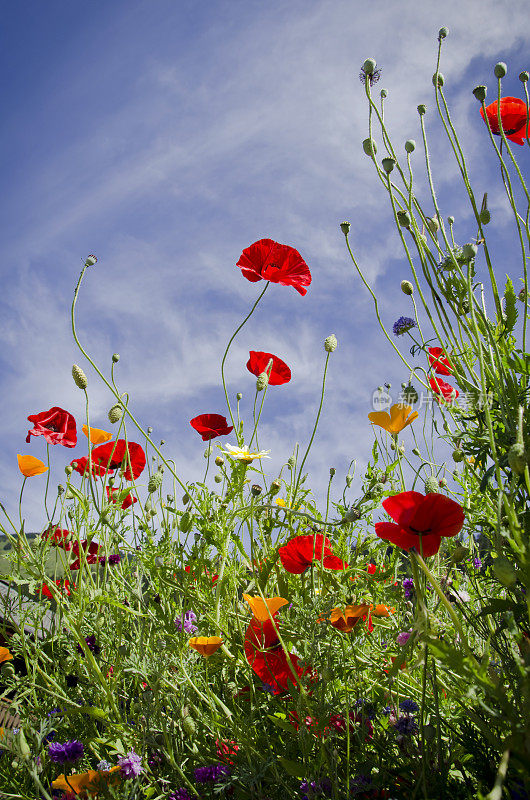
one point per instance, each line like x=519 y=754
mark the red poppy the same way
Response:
x=56 y=425
x=267 y=260
x=58 y=537
x=258 y=363
x=298 y=554
x=513 y=118
x=61 y=585
x=226 y=749
x=443 y=390
x=112 y=455
x=439 y=361
x=267 y=658
x=421 y=520
x=358 y=721
x=215 y=578
x=91 y=553
x=211 y=425
x=81 y=465
x=129 y=499
x=371 y=569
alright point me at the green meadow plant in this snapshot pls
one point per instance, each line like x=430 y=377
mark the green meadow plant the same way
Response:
x=228 y=636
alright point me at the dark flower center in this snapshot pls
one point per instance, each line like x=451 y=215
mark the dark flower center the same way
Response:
x=52 y=427
x=420 y=533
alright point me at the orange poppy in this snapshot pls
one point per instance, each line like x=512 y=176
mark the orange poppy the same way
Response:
x=93 y=779
x=205 y=645
x=5 y=655
x=97 y=436
x=259 y=607
x=30 y=466
x=346 y=620
x=380 y=610
x=400 y=416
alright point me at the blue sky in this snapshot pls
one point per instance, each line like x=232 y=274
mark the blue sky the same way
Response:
x=165 y=137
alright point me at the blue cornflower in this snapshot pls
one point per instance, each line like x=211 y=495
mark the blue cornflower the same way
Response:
x=409 y=706
x=405 y=725
x=402 y=325
x=69 y=752
x=211 y=773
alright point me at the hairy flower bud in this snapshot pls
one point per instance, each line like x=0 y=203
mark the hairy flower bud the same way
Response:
x=438 y=79
x=291 y=462
x=352 y=515
x=407 y=287
x=218 y=478
x=91 y=260
x=345 y=228
x=383 y=94
x=442 y=33
x=422 y=109
x=239 y=396
x=262 y=381
x=68 y=469
x=369 y=66
x=458 y=455
x=349 y=480
x=332 y=472
x=80 y=379
x=115 y=413
x=188 y=725
x=469 y=251
x=219 y=460
x=410 y=146
x=500 y=69
x=404 y=219
x=432 y=224
x=485 y=216
x=154 y=482
x=275 y=488
x=330 y=343
x=431 y=485
x=115 y=357
x=369 y=147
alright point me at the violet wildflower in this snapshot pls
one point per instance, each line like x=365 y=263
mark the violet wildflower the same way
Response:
x=477 y=563
x=409 y=706
x=67 y=753
x=186 y=621
x=180 y=794
x=408 y=586
x=405 y=725
x=402 y=325
x=130 y=765
x=320 y=788
x=212 y=773
x=403 y=637
x=115 y=558
x=103 y=765
x=91 y=644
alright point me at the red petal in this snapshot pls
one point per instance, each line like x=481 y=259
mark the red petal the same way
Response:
x=259 y=361
x=268 y=260
x=211 y=425
x=334 y=562
x=439 y=514
x=401 y=507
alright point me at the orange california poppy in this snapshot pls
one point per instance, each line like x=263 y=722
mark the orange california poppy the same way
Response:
x=259 y=607
x=381 y=610
x=205 y=645
x=5 y=655
x=395 y=421
x=346 y=620
x=97 y=436
x=30 y=466
x=93 y=779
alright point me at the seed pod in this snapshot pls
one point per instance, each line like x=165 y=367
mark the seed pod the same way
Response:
x=407 y=287
x=469 y=251
x=422 y=109
x=523 y=76
x=410 y=146
x=480 y=93
x=155 y=481
x=345 y=228
x=80 y=379
x=369 y=66
x=438 y=79
x=330 y=343
x=442 y=33
x=431 y=485
x=115 y=413
x=388 y=164
x=500 y=69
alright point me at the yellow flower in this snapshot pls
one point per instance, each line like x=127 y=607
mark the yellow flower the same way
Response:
x=395 y=421
x=93 y=779
x=284 y=504
x=243 y=454
x=259 y=606
x=29 y=466
x=205 y=645
x=97 y=436
x=5 y=655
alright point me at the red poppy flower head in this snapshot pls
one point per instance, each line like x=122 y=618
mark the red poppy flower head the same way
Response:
x=443 y=391
x=91 y=553
x=259 y=362
x=420 y=521
x=126 y=503
x=81 y=465
x=439 y=361
x=112 y=455
x=513 y=117
x=56 y=425
x=267 y=260
x=298 y=554
x=211 y=425
x=58 y=537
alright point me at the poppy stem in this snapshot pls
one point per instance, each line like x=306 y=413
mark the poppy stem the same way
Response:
x=47 y=481
x=20 y=503
x=314 y=429
x=224 y=359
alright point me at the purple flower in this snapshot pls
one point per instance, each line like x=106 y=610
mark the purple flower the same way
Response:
x=409 y=706
x=186 y=621
x=402 y=325
x=408 y=586
x=180 y=794
x=130 y=765
x=69 y=752
x=211 y=774
x=91 y=643
x=103 y=765
x=477 y=563
x=115 y=558
x=405 y=725
x=320 y=788
x=403 y=637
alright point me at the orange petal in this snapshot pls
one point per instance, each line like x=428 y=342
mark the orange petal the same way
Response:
x=29 y=466
x=259 y=607
x=205 y=645
x=84 y=780
x=383 y=611
x=97 y=436
x=381 y=418
x=398 y=417
x=5 y=655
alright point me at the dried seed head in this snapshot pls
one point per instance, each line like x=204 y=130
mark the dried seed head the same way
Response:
x=90 y=261
x=330 y=343
x=480 y=92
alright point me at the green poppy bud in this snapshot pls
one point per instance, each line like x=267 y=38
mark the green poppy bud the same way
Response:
x=504 y=571
x=407 y=287
x=388 y=164
x=186 y=499
x=422 y=109
x=485 y=216
x=451 y=220
x=458 y=455
x=68 y=469
x=431 y=485
x=404 y=219
x=219 y=460
x=332 y=472
x=469 y=251
x=154 y=482
x=22 y=745
x=352 y=514
x=443 y=483
x=369 y=66
x=291 y=462
x=60 y=489
x=443 y=33
x=383 y=93
x=410 y=146
x=218 y=478
x=432 y=224
x=330 y=343
x=115 y=357
x=517 y=458
x=438 y=79
x=500 y=69
x=480 y=93
x=90 y=261
x=410 y=394
x=239 y=396
x=523 y=76
x=345 y=228
x=188 y=725
x=115 y=414
x=349 y=480
x=80 y=379
x=369 y=147
x=275 y=488
x=262 y=381
x=185 y=522
x=415 y=451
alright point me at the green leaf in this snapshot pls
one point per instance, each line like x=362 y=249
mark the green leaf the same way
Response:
x=497 y=606
x=280 y=722
x=292 y=767
x=509 y=307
